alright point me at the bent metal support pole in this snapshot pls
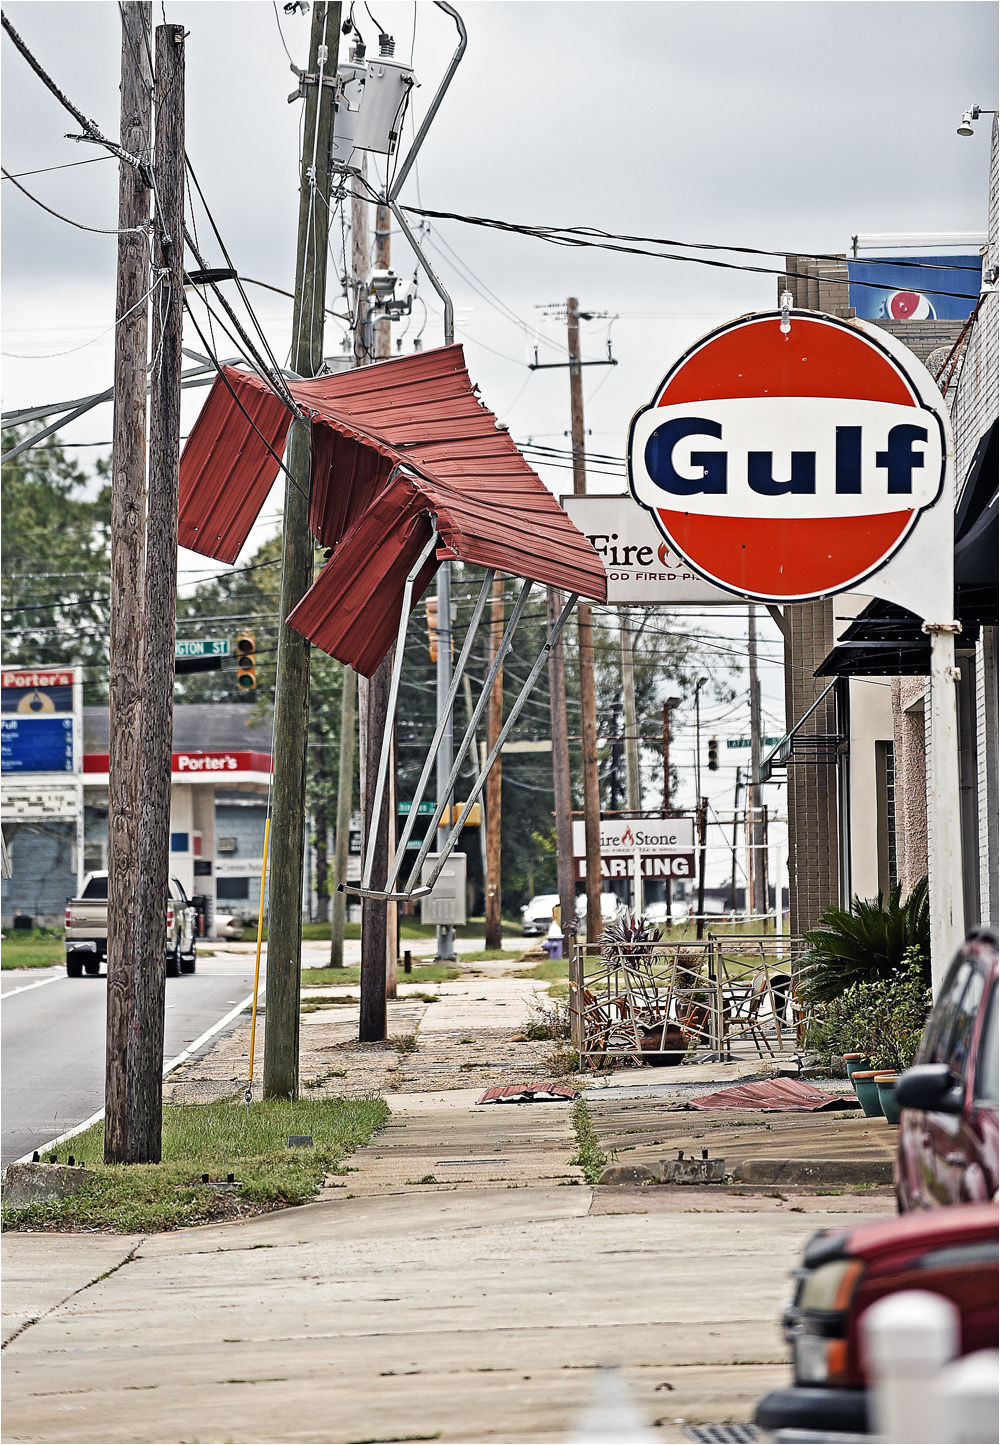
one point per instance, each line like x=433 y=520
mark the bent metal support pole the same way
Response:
x=512 y=717
x=397 y=669
x=412 y=891
x=457 y=678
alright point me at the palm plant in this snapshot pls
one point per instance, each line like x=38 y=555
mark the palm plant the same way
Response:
x=866 y=941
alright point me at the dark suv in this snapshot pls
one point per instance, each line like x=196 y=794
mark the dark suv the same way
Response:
x=948 y=1137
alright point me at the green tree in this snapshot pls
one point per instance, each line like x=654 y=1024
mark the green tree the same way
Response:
x=56 y=562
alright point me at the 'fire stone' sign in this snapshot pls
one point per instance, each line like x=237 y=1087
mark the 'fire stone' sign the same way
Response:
x=787 y=464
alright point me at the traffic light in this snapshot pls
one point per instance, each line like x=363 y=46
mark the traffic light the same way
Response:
x=713 y=755
x=246 y=662
x=432 y=627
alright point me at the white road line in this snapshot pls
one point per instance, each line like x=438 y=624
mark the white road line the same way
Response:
x=167 y=1068
x=57 y=978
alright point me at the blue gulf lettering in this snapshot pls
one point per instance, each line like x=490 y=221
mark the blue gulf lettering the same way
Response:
x=659 y=458
x=848 y=463
x=760 y=475
x=899 y=459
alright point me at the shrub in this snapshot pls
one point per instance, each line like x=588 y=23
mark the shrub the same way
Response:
x=628 y=936
x=882 y=1018
x=867 y=941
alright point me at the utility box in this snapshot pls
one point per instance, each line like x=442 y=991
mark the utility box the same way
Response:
x=380 y=120
x=351 y=76
x=446 y=905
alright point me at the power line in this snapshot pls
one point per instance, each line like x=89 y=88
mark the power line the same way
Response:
x=46 y=170
x=591 y=238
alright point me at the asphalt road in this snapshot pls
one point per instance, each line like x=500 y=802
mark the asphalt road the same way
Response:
x=53 y=1033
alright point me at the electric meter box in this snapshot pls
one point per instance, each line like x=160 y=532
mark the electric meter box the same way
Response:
x=350 y=90
x=446 y=904
x=381 y=116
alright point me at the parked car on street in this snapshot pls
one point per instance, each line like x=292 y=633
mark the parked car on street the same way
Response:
x=87 y=928
x=948 y=1135
x=536 y=915
x=950 y=1252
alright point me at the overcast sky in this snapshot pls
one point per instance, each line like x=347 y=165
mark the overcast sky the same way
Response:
x=789 y=126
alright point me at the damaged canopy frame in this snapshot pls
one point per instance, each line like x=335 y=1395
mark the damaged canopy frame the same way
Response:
x=413 y=888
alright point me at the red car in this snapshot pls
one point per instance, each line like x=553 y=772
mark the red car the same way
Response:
x=948 y=1136
x=951 y=1252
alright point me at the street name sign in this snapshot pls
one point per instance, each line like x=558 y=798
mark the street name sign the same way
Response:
x=202 y=647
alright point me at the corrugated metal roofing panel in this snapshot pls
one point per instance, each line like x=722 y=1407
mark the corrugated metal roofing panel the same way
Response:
x=421 y=411
x=226 y=468
x=774 y=1096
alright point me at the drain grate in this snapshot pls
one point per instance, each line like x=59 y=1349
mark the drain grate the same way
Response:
x=722 y=1434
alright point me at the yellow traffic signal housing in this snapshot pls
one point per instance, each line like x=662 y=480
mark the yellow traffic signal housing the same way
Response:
x=475 y=815
x=246 y=662
x=432 y=627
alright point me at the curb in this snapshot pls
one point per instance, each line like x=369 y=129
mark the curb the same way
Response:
x=813 y=1171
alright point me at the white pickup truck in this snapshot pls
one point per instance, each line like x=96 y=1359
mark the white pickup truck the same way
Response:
x=87 y=928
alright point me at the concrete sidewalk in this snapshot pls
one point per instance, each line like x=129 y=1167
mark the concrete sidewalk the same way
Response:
x=460 y=1283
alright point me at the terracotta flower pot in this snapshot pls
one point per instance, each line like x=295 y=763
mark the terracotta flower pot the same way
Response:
x=855 y=1061
x=886 y=1085
x=867 y=1091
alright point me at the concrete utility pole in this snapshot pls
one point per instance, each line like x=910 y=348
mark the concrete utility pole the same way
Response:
x=291 y=696
x=585 y=626
x=561 y=787
x=757 y=854
x=446 y=753
x=131 y=1132
x=494 y=722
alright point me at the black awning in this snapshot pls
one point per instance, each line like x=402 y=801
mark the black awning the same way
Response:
x=887 y=641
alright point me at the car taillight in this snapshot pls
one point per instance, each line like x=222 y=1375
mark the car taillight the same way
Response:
x=170 y=915
x=69 y=916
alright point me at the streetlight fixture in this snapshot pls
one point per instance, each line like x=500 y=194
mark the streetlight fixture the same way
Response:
x=968 y=116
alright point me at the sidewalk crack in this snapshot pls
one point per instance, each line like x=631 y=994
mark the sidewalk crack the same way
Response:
x=36 y=1319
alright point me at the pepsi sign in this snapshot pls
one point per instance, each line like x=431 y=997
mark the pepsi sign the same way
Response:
x=787 y=464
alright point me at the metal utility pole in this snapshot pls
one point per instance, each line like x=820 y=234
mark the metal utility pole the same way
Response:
x=759 y=864
x=585 y=626
x=291 y=695
x=633 y=791
x=562 y=790
x=128 y=1128
x=494 y=722
x=383 y=349
x=373 y=694
x=345 y=792
x=702 y=835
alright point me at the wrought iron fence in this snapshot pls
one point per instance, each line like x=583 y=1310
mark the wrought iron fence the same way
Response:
x=663 y=1001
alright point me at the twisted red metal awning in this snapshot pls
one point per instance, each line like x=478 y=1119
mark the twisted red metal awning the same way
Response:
x=397 y=450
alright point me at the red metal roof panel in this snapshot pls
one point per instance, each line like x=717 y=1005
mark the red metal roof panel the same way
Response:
x=774 y=1096
x=419 y=411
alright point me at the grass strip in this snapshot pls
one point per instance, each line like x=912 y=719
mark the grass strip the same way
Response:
x=33 y=948
x=589 y=1155
x=217 y=1140
x=347 y=977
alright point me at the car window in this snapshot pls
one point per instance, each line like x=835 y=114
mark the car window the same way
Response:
x=936 y=1045
x=988 y=1058
x=97 y=887
x=177 y=890
x=964 y=1025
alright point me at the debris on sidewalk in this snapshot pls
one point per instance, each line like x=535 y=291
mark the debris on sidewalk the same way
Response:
x=775 y=1096
x=550 y=1091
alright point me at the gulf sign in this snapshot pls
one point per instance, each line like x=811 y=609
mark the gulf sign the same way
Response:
x=787 y=464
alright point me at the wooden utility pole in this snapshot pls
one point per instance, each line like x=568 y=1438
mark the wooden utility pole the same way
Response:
x=702 y=835
x=585 y=626
x=128 y=1137
x=758 y=872
x=565 y=870
x=291 y=696
x=494 y=722
x=161 y=565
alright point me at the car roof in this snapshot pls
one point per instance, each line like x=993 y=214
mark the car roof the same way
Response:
x=924 y=1228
